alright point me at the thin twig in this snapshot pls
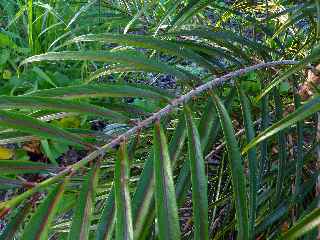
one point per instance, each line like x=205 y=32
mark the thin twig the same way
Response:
x=143 y=124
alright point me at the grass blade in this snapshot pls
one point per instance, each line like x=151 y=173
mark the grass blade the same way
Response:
x=198 y=179
x=84 y=207
x=237 y=171
x=124 y=229
x=39 y=225
x=166 y=205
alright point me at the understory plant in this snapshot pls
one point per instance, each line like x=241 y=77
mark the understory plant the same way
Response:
x=189 y=119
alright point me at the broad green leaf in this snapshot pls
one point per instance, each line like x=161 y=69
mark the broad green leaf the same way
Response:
x=306 y=110
x=143 y=201
x=252 y=158
x=237 y=171
x=149 y=42
x=82 y=216
x=30 y=125
x=124 y=228
x=198 y=179
x=123 y=57
x=104 y=90
x=40 y=222
x=166 y=205
x=15 y=222
x=23 y=167
x=7 y=102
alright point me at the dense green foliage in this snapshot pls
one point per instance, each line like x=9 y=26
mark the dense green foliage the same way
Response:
x=95 y=142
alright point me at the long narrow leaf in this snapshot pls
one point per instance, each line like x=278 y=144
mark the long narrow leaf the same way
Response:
x=143 y=201
x=122 y=57
x=198 y=179
x=166 y=205
x=237 y=171
x=306 y=110
x=83 y=210
x=312 y=57
x=30 y=125
x=39 y=225
x=107 y=219
x=124 y=229
x=22 y=167
x=15 y=222
x=104 y=90
x=7 y=102
x=165 y=46
x=252 y=157
x=304 y=225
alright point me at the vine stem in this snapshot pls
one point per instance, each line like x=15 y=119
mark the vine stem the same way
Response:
x=100 y=152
